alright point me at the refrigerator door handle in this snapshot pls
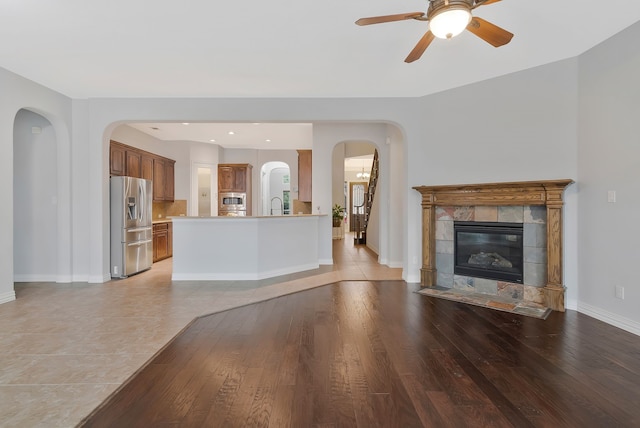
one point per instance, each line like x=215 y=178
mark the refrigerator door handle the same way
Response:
x=137 y=244
x=142 y=198
x=139 y=229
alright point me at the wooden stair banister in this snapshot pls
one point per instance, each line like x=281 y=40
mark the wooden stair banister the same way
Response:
x=361 y=230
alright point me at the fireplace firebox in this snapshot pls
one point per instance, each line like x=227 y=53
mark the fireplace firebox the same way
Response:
x=489 y=250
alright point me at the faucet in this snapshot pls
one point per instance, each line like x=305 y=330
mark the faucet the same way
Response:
x=281 y=205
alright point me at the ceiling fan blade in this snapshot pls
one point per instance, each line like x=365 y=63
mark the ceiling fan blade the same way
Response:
x=484 y=3
x=389 y=18
x=422 y=46
x=489 y=32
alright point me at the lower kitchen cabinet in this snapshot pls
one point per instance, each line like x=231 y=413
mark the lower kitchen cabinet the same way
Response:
x=162 y=241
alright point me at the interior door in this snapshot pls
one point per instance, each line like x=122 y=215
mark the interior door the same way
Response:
x=357 y=193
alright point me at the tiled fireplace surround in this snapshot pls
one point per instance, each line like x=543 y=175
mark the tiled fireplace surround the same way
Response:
x=534 y=242
x=536 y=204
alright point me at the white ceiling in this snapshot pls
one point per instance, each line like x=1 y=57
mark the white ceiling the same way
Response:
x=264 y=136
x=280 y=48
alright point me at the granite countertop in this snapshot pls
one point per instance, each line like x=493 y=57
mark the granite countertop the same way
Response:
x=161 y=220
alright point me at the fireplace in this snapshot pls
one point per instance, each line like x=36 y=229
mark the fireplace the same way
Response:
x=546 y=194
x=489 y=250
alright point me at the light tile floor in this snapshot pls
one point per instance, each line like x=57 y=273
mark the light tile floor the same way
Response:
x=64 y=348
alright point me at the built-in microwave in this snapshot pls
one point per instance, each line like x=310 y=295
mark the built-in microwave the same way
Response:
x=232 y=202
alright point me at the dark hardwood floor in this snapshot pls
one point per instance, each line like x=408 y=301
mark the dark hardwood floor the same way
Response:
x=375 y=354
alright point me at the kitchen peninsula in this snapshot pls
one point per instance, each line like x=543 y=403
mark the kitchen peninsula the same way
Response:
x=244 y=248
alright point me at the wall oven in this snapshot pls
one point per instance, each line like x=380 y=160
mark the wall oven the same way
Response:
x=232 y=204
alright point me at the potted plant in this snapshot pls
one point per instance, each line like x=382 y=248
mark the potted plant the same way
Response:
x=338 y=215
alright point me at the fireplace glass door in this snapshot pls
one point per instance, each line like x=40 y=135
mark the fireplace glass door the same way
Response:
x=488 y=250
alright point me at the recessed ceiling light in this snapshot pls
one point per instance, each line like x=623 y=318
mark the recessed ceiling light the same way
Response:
x=213 y=141
x=155 y=128
x=231 y=133
x=185 y=123
x=268 y=141
x=256 y=123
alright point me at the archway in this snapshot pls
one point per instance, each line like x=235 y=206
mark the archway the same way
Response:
x=35 y=199
x=352 y=162
x=275 y=188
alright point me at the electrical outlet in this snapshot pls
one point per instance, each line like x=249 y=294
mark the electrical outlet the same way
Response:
x=115 y=270
x=611 y=196
x=619 y=292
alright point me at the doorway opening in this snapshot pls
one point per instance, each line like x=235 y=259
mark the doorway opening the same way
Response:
x=204 y=196
x=275 y=187
x=35 y=198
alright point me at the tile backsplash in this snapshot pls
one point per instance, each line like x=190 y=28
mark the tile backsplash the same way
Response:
x=169 y=209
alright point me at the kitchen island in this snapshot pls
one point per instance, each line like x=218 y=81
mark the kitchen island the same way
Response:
x=243 y=248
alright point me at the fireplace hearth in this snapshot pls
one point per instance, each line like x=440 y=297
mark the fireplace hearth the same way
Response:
x=489 y=250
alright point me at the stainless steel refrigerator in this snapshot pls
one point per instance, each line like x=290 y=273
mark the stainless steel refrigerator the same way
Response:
x=131 y=228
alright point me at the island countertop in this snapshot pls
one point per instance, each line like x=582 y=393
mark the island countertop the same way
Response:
x=244 y=248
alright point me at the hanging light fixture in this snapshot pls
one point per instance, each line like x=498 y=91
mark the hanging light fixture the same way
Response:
x=363 y=174
x=449 y=18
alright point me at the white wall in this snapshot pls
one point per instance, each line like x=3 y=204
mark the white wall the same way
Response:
x=519 y=127
x=35 y=199
x=609 y=159
x=19 y=93
x=396 y=208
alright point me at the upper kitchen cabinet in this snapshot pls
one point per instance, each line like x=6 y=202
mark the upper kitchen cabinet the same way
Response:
x=304 y=175
x=133 y=162
x=146 y=167
x=133 y=167
x=117 y=163
x=234 y=177
x=169 y=180
x=163 y=179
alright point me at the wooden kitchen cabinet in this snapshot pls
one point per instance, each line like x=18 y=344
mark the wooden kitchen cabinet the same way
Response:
x=304 y=175
x=133 y=162
x=162 y=241
x=169 y=180
x=170 y=239
x=158 y=179
x=146 y=167
x=117 y=162
x=163 y=179
x=234 y=178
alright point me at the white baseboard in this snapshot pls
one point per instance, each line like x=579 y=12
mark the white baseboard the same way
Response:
x=80 y=278
x=7 y=297
x=325 y=261
x=571 y=304
x=374 y=249
x=610 y=318
x=412 y=279
x=64 y=279
x=99 y=279
x=395 y=264
x=35 y=278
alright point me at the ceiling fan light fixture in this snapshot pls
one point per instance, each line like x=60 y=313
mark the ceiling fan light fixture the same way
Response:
x=450 y=22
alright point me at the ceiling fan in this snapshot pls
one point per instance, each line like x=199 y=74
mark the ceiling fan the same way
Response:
x=447 y=19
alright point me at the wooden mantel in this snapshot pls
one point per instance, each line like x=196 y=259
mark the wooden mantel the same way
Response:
x=546 y=192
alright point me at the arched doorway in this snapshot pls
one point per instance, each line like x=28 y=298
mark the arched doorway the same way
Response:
x=275 y=185
x=352 y=166
x=35 y=199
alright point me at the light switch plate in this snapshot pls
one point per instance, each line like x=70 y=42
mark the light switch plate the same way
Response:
x=611 y=196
